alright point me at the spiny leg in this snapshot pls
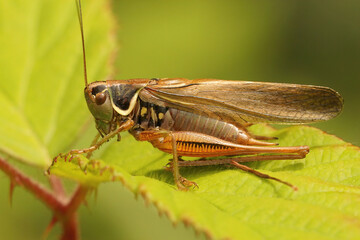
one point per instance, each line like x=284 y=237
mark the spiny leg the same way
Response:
x=154 y=137
x=195 y=144
x=235 y=162
x=88 y=155
x=228 y=160
x=262 y=175
x=175 y=166
x=125 y=126
x=181 y=182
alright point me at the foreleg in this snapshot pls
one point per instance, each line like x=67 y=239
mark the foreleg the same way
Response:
x=124 y=127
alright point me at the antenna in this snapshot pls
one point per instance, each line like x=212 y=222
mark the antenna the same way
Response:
x=78 y=6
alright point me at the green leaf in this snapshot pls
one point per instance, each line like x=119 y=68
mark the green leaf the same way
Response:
x=41 y=86
x=233 y=204
x=44 y=113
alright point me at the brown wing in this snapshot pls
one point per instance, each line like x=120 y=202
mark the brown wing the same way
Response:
x=246 y=102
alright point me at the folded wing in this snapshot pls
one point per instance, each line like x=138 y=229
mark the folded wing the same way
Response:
x=247 y=102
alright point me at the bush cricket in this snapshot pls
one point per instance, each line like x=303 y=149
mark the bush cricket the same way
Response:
x=204 y=118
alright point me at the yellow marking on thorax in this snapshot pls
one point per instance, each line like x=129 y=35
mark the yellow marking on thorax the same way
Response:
x=143 y=111
x=161 y=116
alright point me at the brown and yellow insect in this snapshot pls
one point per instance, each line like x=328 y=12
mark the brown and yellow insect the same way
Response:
x=205 y=117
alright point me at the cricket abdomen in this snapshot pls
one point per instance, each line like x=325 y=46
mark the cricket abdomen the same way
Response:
x=150 y=116
x=186 y=121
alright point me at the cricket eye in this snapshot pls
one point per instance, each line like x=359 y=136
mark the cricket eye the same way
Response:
x=100 y=98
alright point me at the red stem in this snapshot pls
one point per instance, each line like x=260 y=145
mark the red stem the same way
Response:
x=42 y=193
x=70 y=228
x=57 y=186
x=64 y=209
x=77 y=199
x=70 y=222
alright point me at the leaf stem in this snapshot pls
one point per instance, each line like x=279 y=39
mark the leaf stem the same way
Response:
x=17 y=177
x=70 y=221
x=64 y=209
x=57 y=186
x=77 y=199
x=70 y=228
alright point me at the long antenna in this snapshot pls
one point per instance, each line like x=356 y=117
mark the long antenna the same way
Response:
x=78 y=6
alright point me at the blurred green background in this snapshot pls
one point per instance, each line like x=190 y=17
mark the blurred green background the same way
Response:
x=310 y=42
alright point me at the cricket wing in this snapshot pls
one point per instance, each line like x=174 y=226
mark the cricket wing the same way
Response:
x=246 y=102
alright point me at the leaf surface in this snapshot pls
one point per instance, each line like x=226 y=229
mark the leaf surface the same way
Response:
x=233 y=204
x=41 y=81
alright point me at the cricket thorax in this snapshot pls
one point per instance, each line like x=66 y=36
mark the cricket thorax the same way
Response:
x=124 y=97
x=149 y=116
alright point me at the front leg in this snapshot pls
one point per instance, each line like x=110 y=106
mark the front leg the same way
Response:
x=96 y=144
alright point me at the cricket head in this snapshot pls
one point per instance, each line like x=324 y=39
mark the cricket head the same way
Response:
x=96 y=94
x=98 y=100
x=109 y=103
x=112 y=102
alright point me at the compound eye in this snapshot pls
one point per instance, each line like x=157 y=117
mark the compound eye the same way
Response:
x=100 y=98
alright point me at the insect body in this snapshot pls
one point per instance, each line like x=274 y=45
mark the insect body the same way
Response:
x=205 y=117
